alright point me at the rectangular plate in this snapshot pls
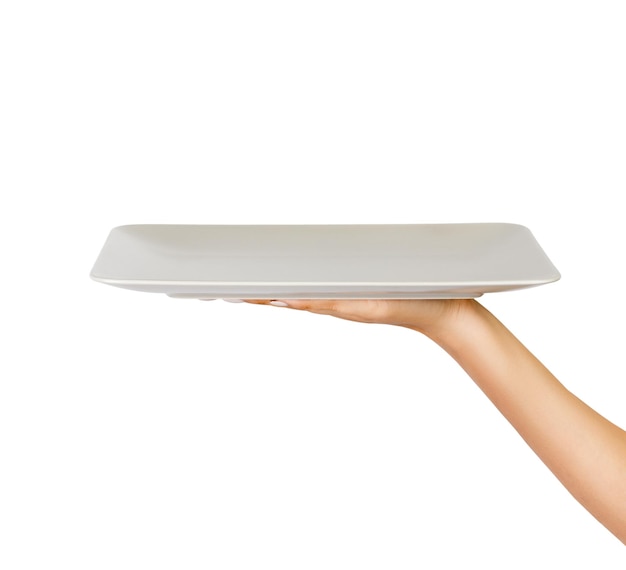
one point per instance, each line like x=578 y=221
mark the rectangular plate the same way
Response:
x=379 y=261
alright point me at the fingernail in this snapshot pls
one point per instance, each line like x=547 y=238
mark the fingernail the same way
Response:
x=279 y=303
x=233 y=300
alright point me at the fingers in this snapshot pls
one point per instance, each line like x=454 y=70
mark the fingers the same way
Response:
x=352 y=309
x=321 y=306
x=313 y=305
x=274 y=302
x=361 y=310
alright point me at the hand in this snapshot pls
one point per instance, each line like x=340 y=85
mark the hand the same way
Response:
x=423 y=315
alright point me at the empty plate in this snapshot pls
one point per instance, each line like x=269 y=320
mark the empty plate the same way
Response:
x=377 y=261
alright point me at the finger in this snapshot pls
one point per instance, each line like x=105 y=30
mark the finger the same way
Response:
x=346 y=309
x=275 y=302
x=313 y=305
x=362 y=310
x=322 y=306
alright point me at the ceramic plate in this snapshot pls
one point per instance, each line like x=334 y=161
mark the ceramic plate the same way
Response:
x=376 y=261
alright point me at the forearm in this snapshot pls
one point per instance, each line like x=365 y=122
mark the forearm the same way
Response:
x=584 y=450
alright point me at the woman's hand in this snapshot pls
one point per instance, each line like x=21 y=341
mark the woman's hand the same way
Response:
x=423 y=315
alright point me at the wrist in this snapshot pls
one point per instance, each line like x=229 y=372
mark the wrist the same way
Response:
x=454 y=319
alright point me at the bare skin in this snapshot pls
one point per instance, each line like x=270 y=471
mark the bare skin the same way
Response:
x=584 y=450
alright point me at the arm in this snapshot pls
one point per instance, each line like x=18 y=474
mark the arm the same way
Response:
x=585 y=451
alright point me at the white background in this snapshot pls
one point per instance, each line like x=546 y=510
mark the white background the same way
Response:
x=137 y=431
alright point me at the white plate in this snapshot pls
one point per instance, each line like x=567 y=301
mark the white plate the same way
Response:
x=323 y=261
